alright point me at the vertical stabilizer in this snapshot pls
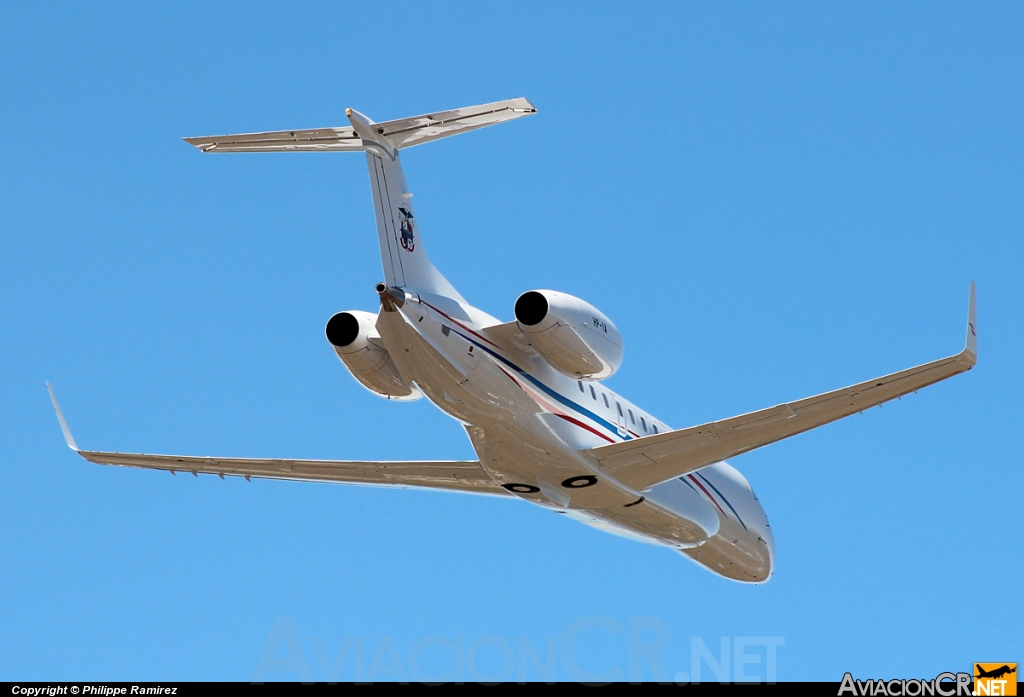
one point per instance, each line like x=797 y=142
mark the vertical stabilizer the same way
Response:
x=405 y=262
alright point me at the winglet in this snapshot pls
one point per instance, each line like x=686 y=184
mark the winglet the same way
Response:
x=63 y=422
x=971 y=348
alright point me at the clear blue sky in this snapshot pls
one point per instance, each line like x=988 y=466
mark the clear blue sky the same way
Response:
x=771 y=200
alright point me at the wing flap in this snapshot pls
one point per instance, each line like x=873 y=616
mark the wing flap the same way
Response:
x=642 y=463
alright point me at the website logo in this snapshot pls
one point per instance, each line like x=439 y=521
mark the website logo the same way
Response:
x=995 y=679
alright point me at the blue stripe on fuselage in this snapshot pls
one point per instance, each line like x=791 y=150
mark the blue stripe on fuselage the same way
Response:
x=565 y=401
x=723 y=498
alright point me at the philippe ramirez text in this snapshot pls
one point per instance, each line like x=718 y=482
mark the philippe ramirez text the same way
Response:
x=103 y=690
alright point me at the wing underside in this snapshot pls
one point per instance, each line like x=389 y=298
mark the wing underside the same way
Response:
x=450 y=475
x=644 y=462
x=466 y=476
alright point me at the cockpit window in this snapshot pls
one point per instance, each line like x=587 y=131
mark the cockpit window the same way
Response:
x=592 y=393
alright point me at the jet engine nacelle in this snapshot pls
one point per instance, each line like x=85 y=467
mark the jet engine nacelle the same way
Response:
x=571 y=334
x=353 y=334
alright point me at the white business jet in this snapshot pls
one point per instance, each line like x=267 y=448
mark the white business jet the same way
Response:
x=529 y=392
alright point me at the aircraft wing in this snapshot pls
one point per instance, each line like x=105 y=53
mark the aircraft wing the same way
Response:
x=452 y=475
x=644 y=462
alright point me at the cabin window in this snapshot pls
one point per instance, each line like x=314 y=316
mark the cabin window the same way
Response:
x=631 y=417
x=643 y=423
x=580 y=383
x=619 y=407
x=606 y=404
x=592 y=393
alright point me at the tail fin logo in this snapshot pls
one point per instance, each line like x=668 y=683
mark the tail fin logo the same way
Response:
x=408 y=236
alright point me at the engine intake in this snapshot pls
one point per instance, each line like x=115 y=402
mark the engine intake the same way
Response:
x=353 y=334
x=531 y=308
x=342 y=329
x=571 y=334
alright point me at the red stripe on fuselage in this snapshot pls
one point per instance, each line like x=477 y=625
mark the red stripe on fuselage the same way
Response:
x=583 y=425
x=694 y=480
x=511 y=378
x=563 y=416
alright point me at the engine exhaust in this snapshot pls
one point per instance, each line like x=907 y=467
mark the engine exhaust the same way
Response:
x=390 y=298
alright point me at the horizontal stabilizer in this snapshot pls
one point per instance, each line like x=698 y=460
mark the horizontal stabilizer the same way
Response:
x=644 y=462
x=311 y=140
x=401 y=133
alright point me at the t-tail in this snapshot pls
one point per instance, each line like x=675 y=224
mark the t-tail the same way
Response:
x=405 y=262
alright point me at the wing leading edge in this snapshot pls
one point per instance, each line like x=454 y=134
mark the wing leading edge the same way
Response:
x=647 y=461
x=466 y=476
